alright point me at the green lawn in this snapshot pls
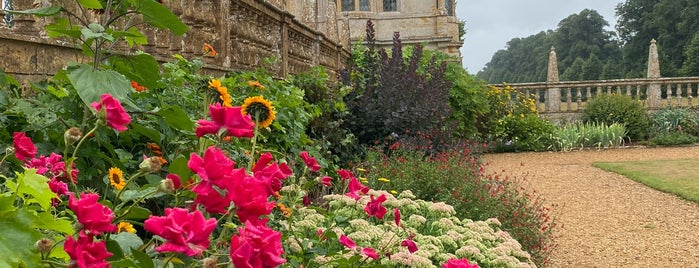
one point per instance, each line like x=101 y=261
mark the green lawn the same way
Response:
x=678 y=177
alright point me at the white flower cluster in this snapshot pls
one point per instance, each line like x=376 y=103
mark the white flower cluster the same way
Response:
x=438 y=234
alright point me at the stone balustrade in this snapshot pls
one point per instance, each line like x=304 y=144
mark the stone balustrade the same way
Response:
x=563 y=100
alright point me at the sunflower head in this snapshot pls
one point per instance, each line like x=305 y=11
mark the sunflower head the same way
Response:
x=125 y=227
x=261 y=111
x=222 y=92
x=116 y=178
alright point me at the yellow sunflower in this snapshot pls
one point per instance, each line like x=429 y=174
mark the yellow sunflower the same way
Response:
x=222 y=92
x=261 y=111
x=116 y=178
x=125 y=227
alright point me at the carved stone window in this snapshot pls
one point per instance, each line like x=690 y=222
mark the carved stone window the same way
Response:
x=390 y=5
x=449 y=6
x=364 y=5
x=348 y=5
x=353 y=5
x=7 y=18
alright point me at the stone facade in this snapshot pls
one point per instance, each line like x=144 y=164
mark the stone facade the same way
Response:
x=431 y=23
x=243 y=32
x=299 y=34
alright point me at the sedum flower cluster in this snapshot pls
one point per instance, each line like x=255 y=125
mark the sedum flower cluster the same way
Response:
x=423 y=234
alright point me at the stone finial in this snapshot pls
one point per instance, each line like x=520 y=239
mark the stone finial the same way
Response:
x=553 y=67
x=653 y=62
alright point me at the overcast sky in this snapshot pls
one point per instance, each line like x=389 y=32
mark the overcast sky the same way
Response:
x=491 y=23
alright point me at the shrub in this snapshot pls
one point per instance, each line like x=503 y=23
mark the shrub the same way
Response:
x=673 y=138
x=393 y=94
x=513 y=124
x=669 y=119
x=455 y=177
x=616 y=108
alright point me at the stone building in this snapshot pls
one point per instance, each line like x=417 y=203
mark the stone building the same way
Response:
x=300 y=33
x=432 y=23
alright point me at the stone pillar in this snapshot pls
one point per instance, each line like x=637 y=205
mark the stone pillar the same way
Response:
x=553 y=92
x=653 y=91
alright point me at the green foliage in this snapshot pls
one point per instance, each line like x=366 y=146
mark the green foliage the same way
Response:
x=393 y=94
x=672 y=138
x=324 y=101
x=588 y=135
x=616 y=108
x=454 y=177
x=513 y=123
x=675 y=119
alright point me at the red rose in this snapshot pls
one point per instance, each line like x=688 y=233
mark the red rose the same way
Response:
x=114 y=114
x=311 y=162
x=95 y=217
x=85 y=252
x=185 y=232
x=230 y=118
x=256 y=245
x=24 y=148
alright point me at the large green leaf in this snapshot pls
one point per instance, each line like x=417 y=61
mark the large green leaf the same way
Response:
x=142 y=68
x=36 y=186
x=127 y=241
x=150 y=133
x=17 y=239
x=179 y=167
x=176 y=117
x=39 y=12
x=159 y=16
x=91 y=84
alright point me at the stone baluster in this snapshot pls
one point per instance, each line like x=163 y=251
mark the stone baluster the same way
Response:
x=569 y=98
x=578 y=97
x=536 y=98
x=628 y=91
x=609 y=90
x=679 y=95
x=690 y=93
x=588 y=94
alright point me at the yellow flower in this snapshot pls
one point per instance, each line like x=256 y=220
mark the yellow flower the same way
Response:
x=256 y=84
x=261 y=111
x=364 y=180
x=125 y=227
x=394 y=192
x=361 y=169
x=222 y=92
x=384 y=180
x=116 y=178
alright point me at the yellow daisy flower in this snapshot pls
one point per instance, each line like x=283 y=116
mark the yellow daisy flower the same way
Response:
x=222 y=92
x=261 y=110
x=384 y=180
x=125 y=227
x=116 y=178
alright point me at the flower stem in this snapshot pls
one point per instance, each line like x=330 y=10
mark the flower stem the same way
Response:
x=127 y=184
x=254 y=143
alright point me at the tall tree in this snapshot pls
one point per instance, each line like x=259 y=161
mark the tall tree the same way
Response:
x=691 y=64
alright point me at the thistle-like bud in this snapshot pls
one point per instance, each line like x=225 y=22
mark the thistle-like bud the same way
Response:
x=209 y=263
x=72 y=135
x=44 y=245
x=151 y=164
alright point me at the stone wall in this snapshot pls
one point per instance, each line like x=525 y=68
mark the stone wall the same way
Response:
x=243 y=32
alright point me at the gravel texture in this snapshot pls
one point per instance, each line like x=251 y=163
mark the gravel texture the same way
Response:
x=607 y=219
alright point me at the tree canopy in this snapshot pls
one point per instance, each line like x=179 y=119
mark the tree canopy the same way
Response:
x=586 y=50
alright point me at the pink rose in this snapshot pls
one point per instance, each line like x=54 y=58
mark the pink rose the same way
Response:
x=115 y=115
x=185 y=232
x=311 y=162
x=256 y=245
x=95 y=217
x=24 y=147
x=375 y=207
x=370 y=252
x=326 y=180
x=347 y=242
x=85 y=252
x=461 y=263
x=229 y=118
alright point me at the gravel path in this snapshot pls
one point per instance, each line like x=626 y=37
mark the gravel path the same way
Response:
x=609 y=220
